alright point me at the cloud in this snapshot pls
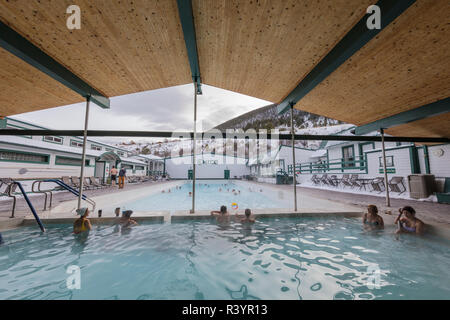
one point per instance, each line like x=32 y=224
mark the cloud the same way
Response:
x=164 y=109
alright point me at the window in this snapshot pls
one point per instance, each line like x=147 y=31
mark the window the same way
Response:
x=74 y=143
x=348 y=155
x=140 y=168
x=53 y=139
x=120 y=153
x=389 y=161
x=18 y=156
x=65 y=161
x=95 y=147
x=127 y=166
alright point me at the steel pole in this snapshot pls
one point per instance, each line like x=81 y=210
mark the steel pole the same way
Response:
x=83 y=156
x=293 y=159
x=194 y=147
x=388 y=200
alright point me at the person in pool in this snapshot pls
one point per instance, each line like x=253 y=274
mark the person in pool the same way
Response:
x=222 y=216
x=126 y=220
x=407 y=221
x=247 y=218
x=82 y=223
x=372 y=219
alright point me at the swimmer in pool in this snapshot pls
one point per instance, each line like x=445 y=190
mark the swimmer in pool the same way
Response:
x=372 y=219
x=126 y=220
x=407 y=221
x=190 y=194
x=82 y=224
x=222 y=216
x=247 y=218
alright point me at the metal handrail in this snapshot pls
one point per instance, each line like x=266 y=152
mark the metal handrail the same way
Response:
x=72 y=190
x=30 y=205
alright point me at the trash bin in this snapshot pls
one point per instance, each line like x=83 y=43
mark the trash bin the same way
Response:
x=444 y=197
x=281 y=179
x=421 y=185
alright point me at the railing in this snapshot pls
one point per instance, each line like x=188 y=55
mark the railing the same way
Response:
x=30 y=205
x=71 y=190
x=360 y=163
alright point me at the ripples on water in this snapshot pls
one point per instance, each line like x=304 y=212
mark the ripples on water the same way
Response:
x=274 y=259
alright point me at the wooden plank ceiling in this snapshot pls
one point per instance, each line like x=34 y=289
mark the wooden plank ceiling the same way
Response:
x=406 y=66
x=263 y=48
x=122 y=47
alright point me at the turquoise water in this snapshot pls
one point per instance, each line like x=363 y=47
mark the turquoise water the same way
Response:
x=307 y=258
x=208 y=197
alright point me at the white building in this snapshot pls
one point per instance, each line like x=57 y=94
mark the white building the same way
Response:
x=208 y=166
x=31 y=157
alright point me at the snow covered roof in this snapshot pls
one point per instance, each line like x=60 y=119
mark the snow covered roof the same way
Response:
x=151 y=157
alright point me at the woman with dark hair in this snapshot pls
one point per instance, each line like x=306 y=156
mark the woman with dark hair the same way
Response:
x=372 y=219
x=407 y=221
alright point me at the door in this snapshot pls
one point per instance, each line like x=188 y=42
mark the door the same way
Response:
x=348 y=155
x=226 y=174
x=190 y=174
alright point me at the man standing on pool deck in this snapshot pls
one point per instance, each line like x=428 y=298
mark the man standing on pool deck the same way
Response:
x=113 y=175
x=122 y=175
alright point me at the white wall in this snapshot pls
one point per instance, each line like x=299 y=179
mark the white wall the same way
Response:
x=178 y=168
x=36 y=170
x=439 y=165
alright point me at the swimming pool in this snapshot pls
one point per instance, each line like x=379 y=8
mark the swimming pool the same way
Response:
x=210 y=195
x=286 y=258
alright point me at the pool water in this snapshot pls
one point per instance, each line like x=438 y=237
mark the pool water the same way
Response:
x=208 y=197
x=304 y=258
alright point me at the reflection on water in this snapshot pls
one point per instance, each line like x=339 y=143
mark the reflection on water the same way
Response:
x=271 y=259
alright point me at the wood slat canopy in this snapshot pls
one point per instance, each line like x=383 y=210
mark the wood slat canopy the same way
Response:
x=122 y=47
x=406 y=66
x=262 y=48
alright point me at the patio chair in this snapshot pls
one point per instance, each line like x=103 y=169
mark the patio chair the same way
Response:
x=324 y=179
x=76 y=183
x=345 y=181
x=95 y=183
x=396 y=185
x=67 y=180
x=88 y=185
x=315 y=179
x=354 y=181
x=378 y=184
x=333 y=180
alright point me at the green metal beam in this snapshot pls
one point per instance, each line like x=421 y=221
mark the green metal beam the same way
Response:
x=187 y=24
x=13 y=42
x=354 y=40
x=426 y=111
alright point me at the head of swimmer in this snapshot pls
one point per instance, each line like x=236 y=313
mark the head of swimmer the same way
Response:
x=223 y=209
x=372 y=209
x=83 y=212
x=248 y=212
x=408 y=211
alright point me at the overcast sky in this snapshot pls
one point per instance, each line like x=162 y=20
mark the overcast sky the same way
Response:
x=163 y=109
